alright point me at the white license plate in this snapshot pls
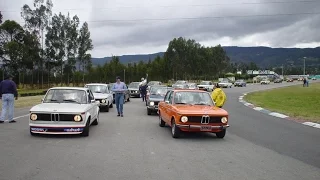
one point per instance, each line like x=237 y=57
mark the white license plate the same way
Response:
x=205 y=128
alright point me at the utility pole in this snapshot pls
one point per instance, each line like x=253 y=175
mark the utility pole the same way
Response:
x=124 y=75
x=304 y=65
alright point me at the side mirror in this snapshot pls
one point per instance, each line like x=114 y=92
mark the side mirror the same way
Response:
x=166 y=102
x=93 y=101
x=42 y=100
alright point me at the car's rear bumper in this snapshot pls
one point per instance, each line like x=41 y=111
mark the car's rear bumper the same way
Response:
x=196 y=128
x=56 y=129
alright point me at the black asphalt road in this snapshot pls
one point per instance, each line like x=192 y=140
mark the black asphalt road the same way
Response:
x=257 y=146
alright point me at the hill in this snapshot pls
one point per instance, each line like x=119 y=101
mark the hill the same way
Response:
x=263 y=56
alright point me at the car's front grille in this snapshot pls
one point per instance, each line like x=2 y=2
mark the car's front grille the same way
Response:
x=197 y=119
x=55 y=117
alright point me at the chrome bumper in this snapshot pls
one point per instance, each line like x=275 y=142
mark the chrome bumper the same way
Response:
x=198 y=126
x=152 y=107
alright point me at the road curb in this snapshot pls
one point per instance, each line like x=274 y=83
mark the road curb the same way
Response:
x=275 y=114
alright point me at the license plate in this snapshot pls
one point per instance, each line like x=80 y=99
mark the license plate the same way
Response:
x=205 y=128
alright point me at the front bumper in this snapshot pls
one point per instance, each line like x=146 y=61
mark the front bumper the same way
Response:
x=197 y=128
x=56 y=129
x=153 y=108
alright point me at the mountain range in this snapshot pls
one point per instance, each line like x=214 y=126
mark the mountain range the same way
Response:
x=264 y=57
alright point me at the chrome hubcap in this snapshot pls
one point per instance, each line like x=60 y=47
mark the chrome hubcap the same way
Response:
x=173 y=129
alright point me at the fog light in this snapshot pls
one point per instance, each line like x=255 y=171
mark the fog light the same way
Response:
x=77 y=118
x=224 y=119
x=33 y=117
x=184 y=119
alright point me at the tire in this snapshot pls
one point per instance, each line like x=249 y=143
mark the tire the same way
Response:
x=96 y=121
x=107 y=107
x=175 y=131
x=86 y=130
x=128 y=100
x=161 y=122
x=149 y=111
x=111 y=105
x=221 y=134
x=31 y=133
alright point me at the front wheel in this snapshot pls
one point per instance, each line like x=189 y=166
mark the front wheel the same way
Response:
x=161 y=122
x=221 y=134
x=175 y=131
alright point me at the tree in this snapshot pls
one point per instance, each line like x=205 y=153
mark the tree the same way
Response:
x=1 y=17
x=85 y=45
x=36 y=21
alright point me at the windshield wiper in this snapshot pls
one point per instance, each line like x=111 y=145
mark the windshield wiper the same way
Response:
x=71 y=100
x=180 y=103
x=201 y=104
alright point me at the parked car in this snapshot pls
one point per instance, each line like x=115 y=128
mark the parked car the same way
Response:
x=314 y=78
x=192 y=111
x=134 y=89
x=102 y=94
x=278 y=80
x=126 y=94
x=206 y=86
x=225 y=84
x=65 y=110
x=192 y=86
x=290 y=80
x=155 y=95
x=265 y=81
x=240 y=83
x=180 y=85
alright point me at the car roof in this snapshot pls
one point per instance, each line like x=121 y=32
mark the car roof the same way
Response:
x=189 y=90
x=97 y=84
x=71 y=88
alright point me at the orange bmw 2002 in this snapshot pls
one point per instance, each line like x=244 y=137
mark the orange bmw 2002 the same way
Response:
x=192 y=111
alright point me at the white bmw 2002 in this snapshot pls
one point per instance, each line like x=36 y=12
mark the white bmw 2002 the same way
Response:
x=102 y=94
x=65 y=110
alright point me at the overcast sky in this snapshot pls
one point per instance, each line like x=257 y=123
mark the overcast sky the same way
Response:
x=121 y=27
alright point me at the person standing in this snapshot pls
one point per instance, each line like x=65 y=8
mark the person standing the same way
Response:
x=8 y=92
x=119 y=89
x=218 y=96
x=143 y=90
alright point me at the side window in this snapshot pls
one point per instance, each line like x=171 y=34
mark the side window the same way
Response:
x=90 y=96
x=166 y=98
x=170 y=97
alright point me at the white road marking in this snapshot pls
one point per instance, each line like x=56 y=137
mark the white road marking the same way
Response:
x=312 y=124
x=278 y=115
x=258 y=108
x=18 y=117
x=248 y=104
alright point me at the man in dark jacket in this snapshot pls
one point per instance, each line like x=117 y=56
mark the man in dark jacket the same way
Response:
x=143 y=91
x=8 y=92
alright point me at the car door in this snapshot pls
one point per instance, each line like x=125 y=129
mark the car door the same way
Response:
x=165 y=106
x=169 y=108
x=93 y=106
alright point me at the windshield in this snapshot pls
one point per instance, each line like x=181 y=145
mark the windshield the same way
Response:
x=134 y=85
x=158 y=91
x=205 y=83
x=194 y=98
x=180 y=82
x=152 y=83
x=98 y=88
x=66 y=96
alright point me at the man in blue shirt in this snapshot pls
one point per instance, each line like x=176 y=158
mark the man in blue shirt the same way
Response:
x=119 y=89
x=8 y=92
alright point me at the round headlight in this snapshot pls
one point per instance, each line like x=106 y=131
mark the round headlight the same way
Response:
x=33 y=117
x=184 y=119
x=103 y=100
x=224 y=119
x=77 y=118
x=151 y=103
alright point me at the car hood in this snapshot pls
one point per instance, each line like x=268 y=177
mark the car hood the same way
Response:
x=156 y=98
x=200 y=109
x=60 y=107
x=100 y=95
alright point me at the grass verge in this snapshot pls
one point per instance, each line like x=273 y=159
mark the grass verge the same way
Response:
x=294 y=101
x=28 y=101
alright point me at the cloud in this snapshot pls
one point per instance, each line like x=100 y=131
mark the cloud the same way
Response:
x=142 y=26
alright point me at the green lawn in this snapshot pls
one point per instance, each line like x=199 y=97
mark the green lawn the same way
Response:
x=294 y=101
x=26 y=101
